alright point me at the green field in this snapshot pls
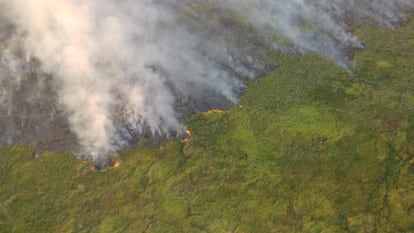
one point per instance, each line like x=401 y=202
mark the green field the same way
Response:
x=312 y=148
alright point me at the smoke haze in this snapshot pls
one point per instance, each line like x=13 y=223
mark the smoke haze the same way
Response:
x=117 y=70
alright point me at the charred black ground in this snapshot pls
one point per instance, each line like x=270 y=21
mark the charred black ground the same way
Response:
x=230 y=42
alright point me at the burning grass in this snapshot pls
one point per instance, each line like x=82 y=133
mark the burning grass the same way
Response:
x=187 y=135
x=215 y=111
x=112 y=165
x=306 y=153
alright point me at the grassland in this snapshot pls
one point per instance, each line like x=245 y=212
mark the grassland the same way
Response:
x=312 y=148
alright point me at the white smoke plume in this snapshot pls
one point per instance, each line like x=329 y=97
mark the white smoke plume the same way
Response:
x=129 y=67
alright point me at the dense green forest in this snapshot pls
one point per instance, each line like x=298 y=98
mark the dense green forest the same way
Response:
x=311 y=148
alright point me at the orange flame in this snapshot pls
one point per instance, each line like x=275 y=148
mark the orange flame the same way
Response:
x=188 y=135
x=213 y=111
x=116 y=164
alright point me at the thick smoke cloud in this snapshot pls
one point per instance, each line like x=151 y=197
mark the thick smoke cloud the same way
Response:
x=123 y=69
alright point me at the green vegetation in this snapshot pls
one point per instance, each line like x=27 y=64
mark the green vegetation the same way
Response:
x=312 y=149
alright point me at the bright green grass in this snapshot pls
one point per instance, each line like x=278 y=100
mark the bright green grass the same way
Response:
x=313 y=149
